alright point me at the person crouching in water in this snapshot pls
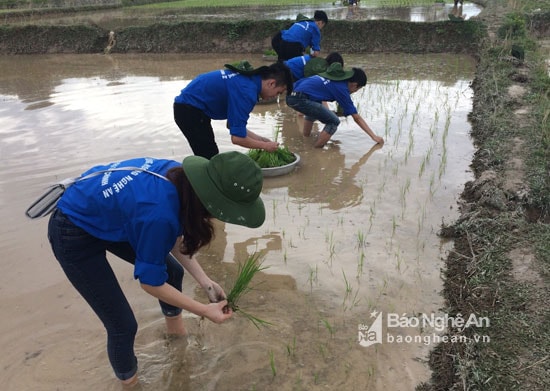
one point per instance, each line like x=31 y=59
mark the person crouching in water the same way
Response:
x=156 y=220
x=335 y=84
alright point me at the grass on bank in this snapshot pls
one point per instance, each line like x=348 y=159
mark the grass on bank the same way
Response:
x=500 y=235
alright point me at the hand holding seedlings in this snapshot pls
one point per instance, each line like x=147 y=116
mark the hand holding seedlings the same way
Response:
x=215 y=292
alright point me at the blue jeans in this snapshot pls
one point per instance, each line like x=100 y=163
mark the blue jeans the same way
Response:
x=313 y=111
x=83 y=259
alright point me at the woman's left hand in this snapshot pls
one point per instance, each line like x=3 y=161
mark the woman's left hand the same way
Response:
x=215 y=292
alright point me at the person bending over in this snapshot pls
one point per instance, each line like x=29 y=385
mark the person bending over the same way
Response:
x=302 y=34
x=228 y=94
x=156 y=220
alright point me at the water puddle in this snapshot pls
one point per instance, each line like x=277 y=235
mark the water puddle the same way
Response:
x=350 y=233
x=125 y=17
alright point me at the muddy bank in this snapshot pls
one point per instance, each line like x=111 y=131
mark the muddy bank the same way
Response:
x=244 y=37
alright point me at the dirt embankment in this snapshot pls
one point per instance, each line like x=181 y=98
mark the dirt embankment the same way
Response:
x=243 y=37
x=499 y=266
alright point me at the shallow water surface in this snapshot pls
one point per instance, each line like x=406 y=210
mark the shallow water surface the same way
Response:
x=124 y=17
x=351 y=232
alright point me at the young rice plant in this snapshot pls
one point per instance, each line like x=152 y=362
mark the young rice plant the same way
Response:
x=245 y=274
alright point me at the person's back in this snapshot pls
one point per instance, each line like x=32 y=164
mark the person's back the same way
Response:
x=304 y=33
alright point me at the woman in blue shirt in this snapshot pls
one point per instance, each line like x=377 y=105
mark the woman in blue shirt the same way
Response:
x=302 y=34
x=229 y=94
x=336 y=84
x=157 y=224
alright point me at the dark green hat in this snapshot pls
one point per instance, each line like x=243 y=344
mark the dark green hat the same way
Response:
x=244 y=67
x=315 y=66
x=302 y=18
x=229 y=187
x=336 y=72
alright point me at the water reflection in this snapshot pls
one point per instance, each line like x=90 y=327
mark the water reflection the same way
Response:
x=121 y=18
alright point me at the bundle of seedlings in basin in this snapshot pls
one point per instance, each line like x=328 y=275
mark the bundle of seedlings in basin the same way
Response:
x=281 y=157
x=245 y=273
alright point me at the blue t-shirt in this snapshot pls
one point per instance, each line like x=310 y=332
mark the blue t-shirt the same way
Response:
x=224 y=94
x=130 y=206
x=307 y=33
x=320 y=89
x=297 y=64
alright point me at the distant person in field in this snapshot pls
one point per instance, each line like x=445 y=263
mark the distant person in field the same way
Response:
x=302 y=34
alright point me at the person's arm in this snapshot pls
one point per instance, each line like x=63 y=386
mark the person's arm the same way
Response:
x=213 y=289
x=169 y=294
x=217 y=311
x=363 y=125
x=256 y=142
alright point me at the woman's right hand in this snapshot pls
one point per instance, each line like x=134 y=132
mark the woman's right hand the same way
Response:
x=215 y=312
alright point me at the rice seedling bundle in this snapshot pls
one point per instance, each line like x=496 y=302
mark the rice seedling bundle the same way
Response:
x=241 y=286
x=281 y=157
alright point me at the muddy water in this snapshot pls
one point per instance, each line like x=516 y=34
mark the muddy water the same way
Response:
x=349 y=234
x=120 y=18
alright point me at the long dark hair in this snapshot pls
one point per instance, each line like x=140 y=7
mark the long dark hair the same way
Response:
x=198 y=227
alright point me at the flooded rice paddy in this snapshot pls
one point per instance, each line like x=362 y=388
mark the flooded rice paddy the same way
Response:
x=120 y=18
x=350 y=234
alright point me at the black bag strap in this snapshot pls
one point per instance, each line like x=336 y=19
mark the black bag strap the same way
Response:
x=47 y=202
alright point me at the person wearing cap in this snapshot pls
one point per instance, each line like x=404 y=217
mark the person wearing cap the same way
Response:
x=228 y=94
x=303 y=33
x=156 y=220
x=335 y=84
x=306 y=65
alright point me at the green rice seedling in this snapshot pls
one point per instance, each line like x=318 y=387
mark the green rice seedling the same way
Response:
x=323 y=350
x=360 y=264
x=422 y=167
x=331 y=247
x=281 y=157
x=272 y=363
x=274 y=204
x=245 y=274
x=316 y=378
x=312 y=276
x=394 y=225
x=291 y=348
x=361 y=240
x=328 y=326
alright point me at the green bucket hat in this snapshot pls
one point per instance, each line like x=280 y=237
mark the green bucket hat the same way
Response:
x=302 y=18
x=244 y=67
x=229 y=187
x=336 y=72
x=315 y=66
